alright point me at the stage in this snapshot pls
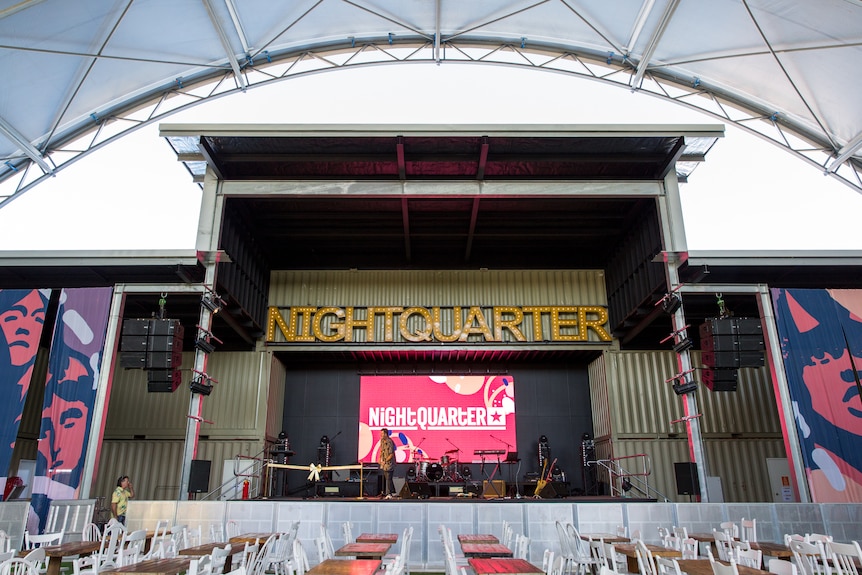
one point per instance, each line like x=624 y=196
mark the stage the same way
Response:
x=495 y=489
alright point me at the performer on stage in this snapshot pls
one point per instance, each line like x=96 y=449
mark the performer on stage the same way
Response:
x=386 y=459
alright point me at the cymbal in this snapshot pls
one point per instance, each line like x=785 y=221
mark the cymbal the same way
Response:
x=452 y=451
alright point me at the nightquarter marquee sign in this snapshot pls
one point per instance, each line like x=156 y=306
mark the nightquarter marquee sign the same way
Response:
x=473 y=324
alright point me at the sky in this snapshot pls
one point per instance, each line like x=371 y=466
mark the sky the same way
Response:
x=134 y=195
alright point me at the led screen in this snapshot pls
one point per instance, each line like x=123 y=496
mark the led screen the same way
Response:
x=434 y=416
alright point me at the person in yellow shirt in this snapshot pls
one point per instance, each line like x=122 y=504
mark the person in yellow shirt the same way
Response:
x=120 y=498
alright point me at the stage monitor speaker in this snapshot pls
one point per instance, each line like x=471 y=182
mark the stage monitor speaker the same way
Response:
x=686 y=478
x=413 y=490
x=199 y=476
x=493 y=489
x=554 y=490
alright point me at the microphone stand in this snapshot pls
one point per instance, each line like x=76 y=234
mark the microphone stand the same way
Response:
x=517 y=472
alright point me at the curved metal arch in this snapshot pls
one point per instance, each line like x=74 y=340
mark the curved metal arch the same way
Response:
x=611 y=69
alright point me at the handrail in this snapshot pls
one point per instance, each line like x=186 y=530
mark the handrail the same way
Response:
x=255 y=474
x=622 y=481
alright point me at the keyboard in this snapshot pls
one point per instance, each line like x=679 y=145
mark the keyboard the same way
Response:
x=489 y=452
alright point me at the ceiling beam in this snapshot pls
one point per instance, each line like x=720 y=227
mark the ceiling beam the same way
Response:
x=645 y=59
x=405 y=224
x=225 y=42
x=35 y=155
x=845 y=153
x=483 y=159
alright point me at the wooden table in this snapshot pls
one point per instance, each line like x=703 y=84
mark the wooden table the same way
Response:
x=606 y=537
x=771 y=549
x=172 y=566
x=703 y=567
x=628 y=549
x=477 y=538
x=363 y=550
x=485 y=550
x=345 y=567
x=249 y=538
x=390 y=538
x=56 y=553
x=503 y=566
x=207 y=549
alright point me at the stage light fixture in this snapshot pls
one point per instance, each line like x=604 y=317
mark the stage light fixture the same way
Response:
x=198 y=386
x=212 y=302
x=682 y=386
x=204 y=345
x=683 y=345
x=670 y=303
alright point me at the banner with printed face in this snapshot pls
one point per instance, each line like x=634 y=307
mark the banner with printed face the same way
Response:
x=430 y=417
x=70 y=393
x=22 y=317
x=821 y=338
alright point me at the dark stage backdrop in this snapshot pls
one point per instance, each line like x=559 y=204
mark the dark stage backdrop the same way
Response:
x=553 y=401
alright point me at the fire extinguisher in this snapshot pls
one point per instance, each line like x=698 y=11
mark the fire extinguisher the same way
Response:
x=245 y=486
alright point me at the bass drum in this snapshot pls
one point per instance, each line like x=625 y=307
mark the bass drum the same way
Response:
x=434 y=472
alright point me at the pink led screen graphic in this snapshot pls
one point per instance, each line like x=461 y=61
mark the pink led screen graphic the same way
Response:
x=429 y=416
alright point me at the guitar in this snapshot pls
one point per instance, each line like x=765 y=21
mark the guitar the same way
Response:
x=544 y=479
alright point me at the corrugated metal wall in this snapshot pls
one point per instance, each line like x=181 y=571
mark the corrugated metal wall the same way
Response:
x=237 y=406
x=144 y=434
x=736 y=426
x=438 y=288
x=155 y=467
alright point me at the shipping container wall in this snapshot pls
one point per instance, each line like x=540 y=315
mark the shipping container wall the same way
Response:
x=646 y=438
x=236 y=408
x=155 y=467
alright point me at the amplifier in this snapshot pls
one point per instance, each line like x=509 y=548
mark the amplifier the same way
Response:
x=493 y=489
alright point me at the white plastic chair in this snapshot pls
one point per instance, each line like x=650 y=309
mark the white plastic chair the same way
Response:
x=667 y=566
x=218 y=558
x=18 y=566
x=730 y=529
x=37 y=558
x=722 y=569
x=106 y=556
x=32 y=541
x=689 y=548
x=347 y=531
x=91 y=532
x=722 y=545
x=748 y=530
x=522 y=548
x=781 y=567
x=749 y=557
x=300 y=559
x=580 y=550
x=248 y=553
x=810 y=558
x=547 y=561
x=132 y=548
x=845 y=557
x=231 y=528
x=403 y=554
x=646 y=561
x=5 y=541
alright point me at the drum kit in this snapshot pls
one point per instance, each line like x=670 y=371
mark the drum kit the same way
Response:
x=426 y=469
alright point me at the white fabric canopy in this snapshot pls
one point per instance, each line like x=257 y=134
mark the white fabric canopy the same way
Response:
x=78 y=74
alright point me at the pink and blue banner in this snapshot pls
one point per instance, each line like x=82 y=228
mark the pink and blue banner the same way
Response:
x=430 y=417
x=821 y=338
x=70 y=394
x=22 y=317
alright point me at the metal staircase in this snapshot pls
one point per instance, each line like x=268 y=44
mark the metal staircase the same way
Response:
x=625 y=483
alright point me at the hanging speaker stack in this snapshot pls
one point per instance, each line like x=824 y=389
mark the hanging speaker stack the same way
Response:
x=155 y=345
x=729 y=343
